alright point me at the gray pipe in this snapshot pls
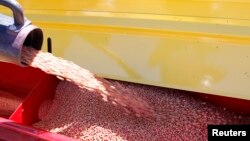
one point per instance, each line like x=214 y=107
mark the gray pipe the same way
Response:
x=16 y=32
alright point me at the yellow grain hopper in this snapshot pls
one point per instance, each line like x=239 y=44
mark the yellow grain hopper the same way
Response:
x=194 y=45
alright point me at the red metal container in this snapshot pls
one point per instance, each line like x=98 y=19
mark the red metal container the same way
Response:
x=33 y=86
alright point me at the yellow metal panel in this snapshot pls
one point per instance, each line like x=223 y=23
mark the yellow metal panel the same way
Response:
x=238 y=9
x=197 y=45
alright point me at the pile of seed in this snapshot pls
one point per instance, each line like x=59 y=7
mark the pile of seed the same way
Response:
x=81 y=114
x=84 y=79
x=8 y=103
